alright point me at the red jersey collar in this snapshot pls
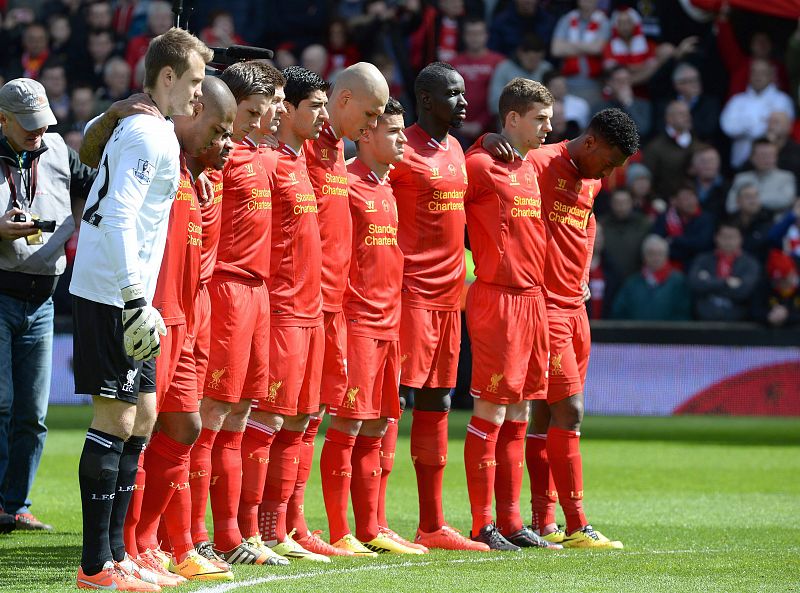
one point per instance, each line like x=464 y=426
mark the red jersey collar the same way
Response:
x=288 y=150
x=432 y=142
x=363 y=171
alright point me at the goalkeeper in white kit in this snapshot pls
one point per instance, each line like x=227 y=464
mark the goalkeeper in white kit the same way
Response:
x=116 y=330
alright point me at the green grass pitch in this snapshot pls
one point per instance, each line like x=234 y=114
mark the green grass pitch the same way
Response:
x=702 y=504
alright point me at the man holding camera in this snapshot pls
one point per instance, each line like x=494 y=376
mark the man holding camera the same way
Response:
x=42 y=182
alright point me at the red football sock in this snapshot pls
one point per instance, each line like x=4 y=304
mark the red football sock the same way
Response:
x=480 y=465
x=134 y=511
x=226 y=487
x=365 y=486
x=200 y=481
x=543 y=488
x=336 y=469
x=166 y=464
x=388 y=447
x=176 y=520
x=255 y=458
x=563 y=449
x=279 y=485
x=295 y=518
x=163 y=537
x=429 y=454
x=510 y=454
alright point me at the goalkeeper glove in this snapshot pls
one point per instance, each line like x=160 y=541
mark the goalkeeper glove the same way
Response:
x=141 y=325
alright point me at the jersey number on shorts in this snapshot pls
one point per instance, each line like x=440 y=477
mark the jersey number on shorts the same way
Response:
x=91 y=216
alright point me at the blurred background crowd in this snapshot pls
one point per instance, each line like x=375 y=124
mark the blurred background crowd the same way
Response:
x=703 y=223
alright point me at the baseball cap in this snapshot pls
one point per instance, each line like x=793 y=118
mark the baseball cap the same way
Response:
x=27 y=101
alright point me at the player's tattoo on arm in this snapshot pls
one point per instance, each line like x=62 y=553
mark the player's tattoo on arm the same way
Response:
x=99 y=132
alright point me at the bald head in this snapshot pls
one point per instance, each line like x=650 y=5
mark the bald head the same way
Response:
x=218 y=99
x=211 y=121
x=357 y=100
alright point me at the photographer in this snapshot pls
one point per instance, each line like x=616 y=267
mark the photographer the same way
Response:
x=42 y=182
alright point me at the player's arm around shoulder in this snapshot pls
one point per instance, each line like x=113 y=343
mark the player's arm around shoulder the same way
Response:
x=130 y=168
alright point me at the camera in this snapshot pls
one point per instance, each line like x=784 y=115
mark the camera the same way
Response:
x=46 y=226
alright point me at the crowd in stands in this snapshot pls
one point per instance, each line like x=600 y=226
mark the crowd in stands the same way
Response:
x=703 y=223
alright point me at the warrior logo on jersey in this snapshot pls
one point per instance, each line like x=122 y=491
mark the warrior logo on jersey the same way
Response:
x=249 y=170
x=293 y=178
x=129 y=379
x=273 y=391
x=325 y=156
x=350 y=398
x=561 y=184
x=435 y=173
x=370 y=206
x=494 y=382
x=144 y=172
x=555 y=365
x=216 y=378
x=512 y=179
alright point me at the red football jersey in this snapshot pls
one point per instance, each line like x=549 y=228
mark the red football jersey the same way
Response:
x=507 y=234
x=328 y=174
x=567 y=201
x=372 y=298
x=212 y=218
x=246 y=226
x=429 y=185
x=294 y=285
x=179 y=276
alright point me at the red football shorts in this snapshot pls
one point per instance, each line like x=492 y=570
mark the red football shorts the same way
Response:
x=167 y=361
x=334 y=362
x=508 y=333
x=295 y=370
x=238 y=360
x=373 y=380
x=570 y=345
x=202 y=338
x=181 y=395
x=430 y=341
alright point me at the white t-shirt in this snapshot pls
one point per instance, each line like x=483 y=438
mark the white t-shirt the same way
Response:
x=124 y=224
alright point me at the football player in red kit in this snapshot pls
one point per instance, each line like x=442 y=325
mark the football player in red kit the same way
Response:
x=429 y=185
x=506 y=315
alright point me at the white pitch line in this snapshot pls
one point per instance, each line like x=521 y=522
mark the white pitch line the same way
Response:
x=273 y=578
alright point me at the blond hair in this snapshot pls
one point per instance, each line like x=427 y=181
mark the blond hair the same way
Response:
x=174 y=49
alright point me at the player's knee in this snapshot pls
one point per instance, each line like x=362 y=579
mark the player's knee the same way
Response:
x=374 y=428
x=347 y=426
x=429 y=399
x=296 y=423
x=568 y=413
x=180 y=426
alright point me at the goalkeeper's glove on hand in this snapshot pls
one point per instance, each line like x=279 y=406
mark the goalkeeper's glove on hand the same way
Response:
x=141 y=324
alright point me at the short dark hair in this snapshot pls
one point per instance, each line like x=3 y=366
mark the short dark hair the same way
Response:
x=760 y=142
x=300 y=83
x=250 y=78
x=617 y=128
x=393 y=107
x=173 y=49
x=432 y=75
x=520 y=94
x=729 y=223
x=531 y=42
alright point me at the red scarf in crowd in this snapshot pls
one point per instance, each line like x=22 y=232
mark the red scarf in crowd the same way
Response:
x=632 y=51
x=725 y=263
x=658 y=277
x=676 y=221
x=571 y=65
